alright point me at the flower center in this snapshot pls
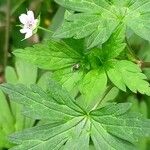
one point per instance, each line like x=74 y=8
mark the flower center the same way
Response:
x=30 y=24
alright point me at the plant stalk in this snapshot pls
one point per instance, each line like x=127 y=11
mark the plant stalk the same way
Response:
x=130 y=50
x=45 y=29
x=103 y=97
x=7 y=27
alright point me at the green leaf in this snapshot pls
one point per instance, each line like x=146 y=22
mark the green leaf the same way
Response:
x=65 y=59
x=115 y=44
x=42 y=111
x=71 y=76
x=27 y=73
x=77 y=45
x=10 y=75
x=87 y=24
x=43 y=80
x=62 y=96
x=125 y=73
x=93 y=86
x=85 y=6
x=124 y=3
x=6 y=121
x=103 y=140
x=68 y=77
x=24 y=73
x=112 y=113
x=110 y=127
x=98 y=20
x=138 y=18
x=50 y=55
x=111 y=96
x=103 y=32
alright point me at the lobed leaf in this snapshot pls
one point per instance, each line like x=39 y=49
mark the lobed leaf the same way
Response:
x=110 y=127
x=51 y=55
x=125 y=73
x=97 y=20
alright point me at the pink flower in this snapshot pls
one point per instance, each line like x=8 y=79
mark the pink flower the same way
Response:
x=29 y=24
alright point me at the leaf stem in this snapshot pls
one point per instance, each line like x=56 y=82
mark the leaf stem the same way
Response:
x=103 y=97
x=130 y=50
x=39 y=27
x=137 y=60
x=144 y=64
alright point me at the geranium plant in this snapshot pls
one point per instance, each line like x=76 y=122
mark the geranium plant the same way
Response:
x=90 y=58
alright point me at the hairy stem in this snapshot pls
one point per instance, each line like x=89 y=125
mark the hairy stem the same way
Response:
x=143 y=64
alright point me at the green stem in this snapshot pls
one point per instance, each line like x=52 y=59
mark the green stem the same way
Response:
x=41 y=28
x=131 y=51
x=103 y=97
x=137 y=60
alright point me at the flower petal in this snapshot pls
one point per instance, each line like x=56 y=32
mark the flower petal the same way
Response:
x=30 y=15
x=28 y=34
x=23 y=18
x=24 y=30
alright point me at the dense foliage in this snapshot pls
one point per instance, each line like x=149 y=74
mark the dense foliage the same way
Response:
x=86 y=86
